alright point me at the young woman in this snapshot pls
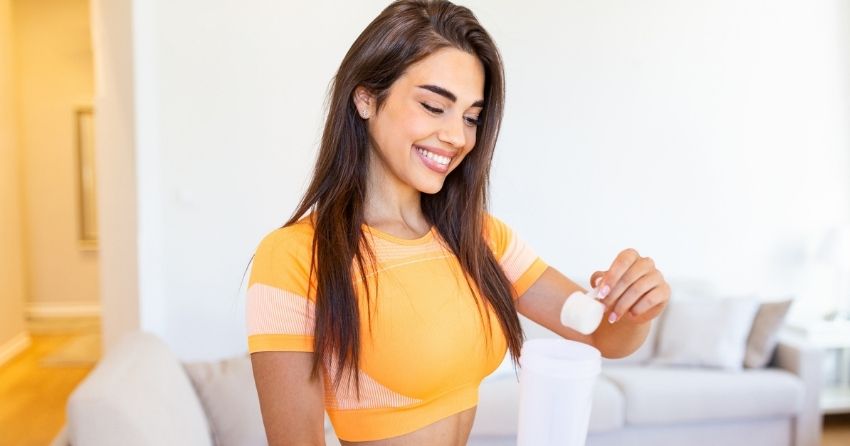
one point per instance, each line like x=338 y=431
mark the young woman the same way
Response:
x=392 y=292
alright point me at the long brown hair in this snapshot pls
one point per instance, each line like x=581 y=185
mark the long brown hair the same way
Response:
x=404 y=33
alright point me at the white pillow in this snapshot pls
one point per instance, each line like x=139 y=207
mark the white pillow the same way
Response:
x=705 y=332
x=645 y=352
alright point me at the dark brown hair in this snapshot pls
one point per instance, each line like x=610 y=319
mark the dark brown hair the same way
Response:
x=405 y=32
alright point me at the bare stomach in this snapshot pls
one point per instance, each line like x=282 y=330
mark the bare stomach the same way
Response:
x=450 y=431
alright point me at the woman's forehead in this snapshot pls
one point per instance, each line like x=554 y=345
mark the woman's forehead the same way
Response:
x=454 y=70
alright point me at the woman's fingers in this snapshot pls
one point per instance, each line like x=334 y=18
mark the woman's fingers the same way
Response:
x=626 y=269
x=636 y=292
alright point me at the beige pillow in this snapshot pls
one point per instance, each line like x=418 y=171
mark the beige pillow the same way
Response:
x=764 y=334
x=227 y=391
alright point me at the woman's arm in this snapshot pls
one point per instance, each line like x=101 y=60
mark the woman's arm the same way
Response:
x=291 y=404
x=542 y=304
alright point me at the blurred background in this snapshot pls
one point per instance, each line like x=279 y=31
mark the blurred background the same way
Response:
x=147 y=146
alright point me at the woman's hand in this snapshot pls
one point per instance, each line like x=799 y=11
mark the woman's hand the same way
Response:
x=632 y=287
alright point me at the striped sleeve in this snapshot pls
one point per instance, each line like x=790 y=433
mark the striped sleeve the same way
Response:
x=278 y=314
x=520 y=263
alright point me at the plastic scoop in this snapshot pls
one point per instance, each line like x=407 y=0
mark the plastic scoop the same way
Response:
x=583 y=311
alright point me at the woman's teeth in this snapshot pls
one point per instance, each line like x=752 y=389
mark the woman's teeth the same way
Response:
x=444 y=160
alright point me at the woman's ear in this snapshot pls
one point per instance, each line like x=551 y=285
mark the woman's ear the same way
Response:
x=364 y=101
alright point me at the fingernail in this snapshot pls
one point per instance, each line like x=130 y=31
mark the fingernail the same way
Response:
x=612 y=318
x=604 y=291
x=596 y=294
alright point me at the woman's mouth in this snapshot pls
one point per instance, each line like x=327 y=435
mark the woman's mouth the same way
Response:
x=437 y=163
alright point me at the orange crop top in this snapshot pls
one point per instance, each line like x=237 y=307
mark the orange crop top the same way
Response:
x=424 y=357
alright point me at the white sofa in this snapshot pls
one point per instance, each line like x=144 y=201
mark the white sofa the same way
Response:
x=636 y=404
x=141 y=394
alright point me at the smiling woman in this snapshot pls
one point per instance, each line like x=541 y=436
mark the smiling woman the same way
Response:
x=398 y=230
x=391 y=292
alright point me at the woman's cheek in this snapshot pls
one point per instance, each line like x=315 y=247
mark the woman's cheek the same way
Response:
x=420 y=128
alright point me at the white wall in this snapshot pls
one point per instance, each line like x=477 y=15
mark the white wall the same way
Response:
x=711 y=136
x=13 y=334
x=112 y=24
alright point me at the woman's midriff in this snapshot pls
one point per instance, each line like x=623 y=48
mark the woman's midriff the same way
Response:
x=450 y=431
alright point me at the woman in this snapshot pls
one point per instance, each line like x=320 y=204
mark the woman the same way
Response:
x=378 y=305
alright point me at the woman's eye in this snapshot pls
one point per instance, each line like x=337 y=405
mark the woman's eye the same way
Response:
x=469 y=120
x=431 y=109
x=472 y=122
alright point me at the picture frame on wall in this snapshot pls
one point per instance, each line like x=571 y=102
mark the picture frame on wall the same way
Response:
x=87 y=209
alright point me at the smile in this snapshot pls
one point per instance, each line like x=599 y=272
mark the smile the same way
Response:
x=444 y=160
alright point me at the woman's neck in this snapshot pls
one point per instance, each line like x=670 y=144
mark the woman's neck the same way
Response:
x=393 y=206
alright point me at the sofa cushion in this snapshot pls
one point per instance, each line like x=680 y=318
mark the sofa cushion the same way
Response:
x=666 y=395
x=137 y=395
x=226 y=389
x=609 y=407
x=229 y=396
x=498 y=407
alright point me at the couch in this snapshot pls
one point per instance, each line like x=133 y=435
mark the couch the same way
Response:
x=140 y=393
x=639 y=404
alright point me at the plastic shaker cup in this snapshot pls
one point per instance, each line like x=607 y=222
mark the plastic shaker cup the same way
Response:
x=557 y=377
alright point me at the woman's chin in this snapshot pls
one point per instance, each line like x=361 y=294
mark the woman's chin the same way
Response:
x=430 y=187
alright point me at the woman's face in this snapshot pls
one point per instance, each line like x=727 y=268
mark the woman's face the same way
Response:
x=428 y=121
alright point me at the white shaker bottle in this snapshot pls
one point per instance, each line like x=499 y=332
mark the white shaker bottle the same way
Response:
x=557 y=378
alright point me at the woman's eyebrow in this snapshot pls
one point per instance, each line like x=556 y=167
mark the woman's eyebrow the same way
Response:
x=448 y=94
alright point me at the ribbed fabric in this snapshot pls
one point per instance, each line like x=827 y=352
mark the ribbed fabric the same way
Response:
x=423 y=354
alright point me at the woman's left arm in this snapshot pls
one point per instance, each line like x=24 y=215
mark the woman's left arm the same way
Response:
x=636 y=294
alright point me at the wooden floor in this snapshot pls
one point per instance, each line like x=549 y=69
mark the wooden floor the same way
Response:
x=33 y=395
x=836 y=430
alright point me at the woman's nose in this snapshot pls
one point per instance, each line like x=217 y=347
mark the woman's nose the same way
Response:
x=453 y=133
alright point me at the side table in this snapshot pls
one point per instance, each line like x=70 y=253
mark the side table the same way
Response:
x=834 y=338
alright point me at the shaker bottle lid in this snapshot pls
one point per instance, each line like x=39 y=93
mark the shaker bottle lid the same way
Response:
x=561 y=358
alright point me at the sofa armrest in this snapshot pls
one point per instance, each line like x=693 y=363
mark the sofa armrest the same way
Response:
x=137 y=395
x=802 y=358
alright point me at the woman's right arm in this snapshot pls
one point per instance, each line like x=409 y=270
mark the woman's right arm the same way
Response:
x=291 y=404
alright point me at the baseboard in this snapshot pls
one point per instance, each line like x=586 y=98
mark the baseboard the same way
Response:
x=63 y=309
x=13 y=346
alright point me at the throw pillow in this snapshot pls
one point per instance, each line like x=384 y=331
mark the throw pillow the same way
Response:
x=705 y=332
x=227 y=391
x=645 y=352
x=764 y=334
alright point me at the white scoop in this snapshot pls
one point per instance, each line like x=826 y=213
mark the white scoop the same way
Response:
x=582 y=312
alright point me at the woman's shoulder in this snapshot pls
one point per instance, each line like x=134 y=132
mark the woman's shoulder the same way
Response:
x=498 y=234
x=286 y=245
x=297 y=233
x=283 y=256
